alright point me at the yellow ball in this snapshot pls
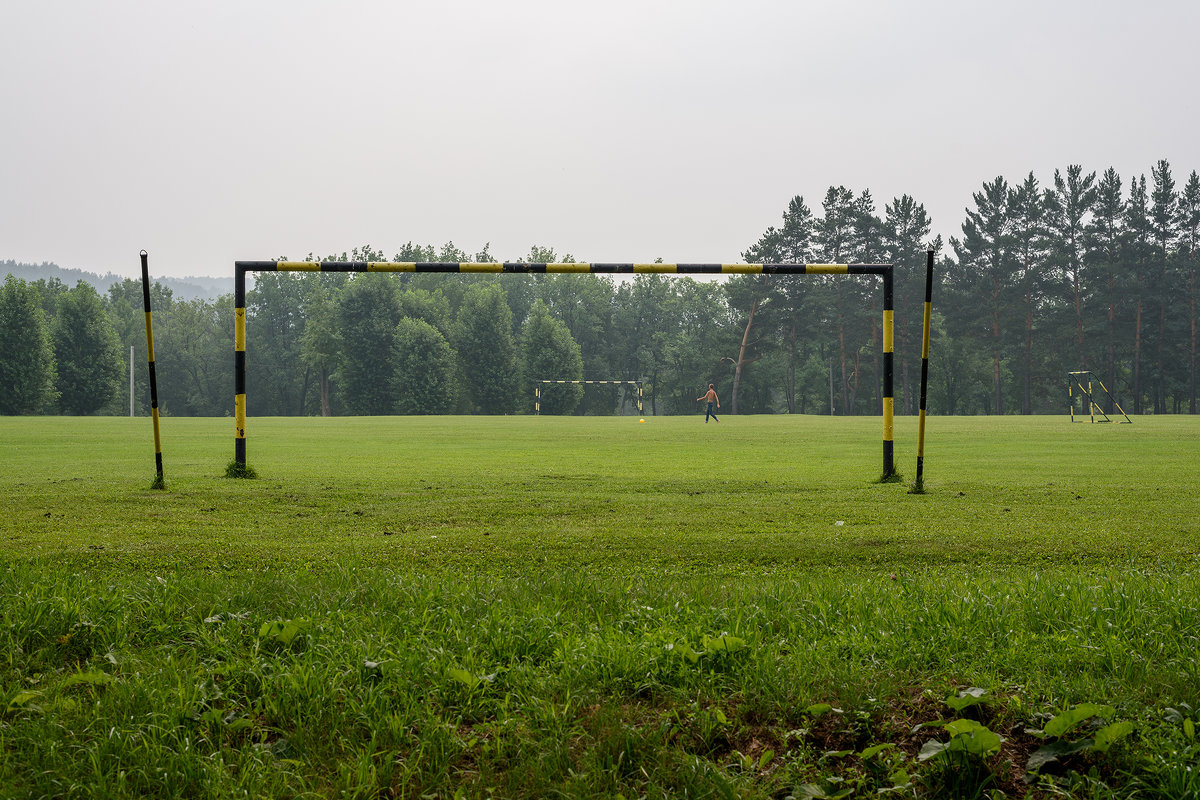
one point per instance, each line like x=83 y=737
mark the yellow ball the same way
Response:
x=641 y=420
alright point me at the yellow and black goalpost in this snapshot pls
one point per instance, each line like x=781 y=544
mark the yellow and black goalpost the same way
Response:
x=885 y=271
x=1086 y=381
x=919 y=484
x=158 y=464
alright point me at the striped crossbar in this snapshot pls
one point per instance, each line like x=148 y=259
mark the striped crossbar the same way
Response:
x=543 y=267
x=242 y=267
x=631 y=383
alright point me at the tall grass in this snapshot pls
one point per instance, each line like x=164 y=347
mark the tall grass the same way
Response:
x=382 y=681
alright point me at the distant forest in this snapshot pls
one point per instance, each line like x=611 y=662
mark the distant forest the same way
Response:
x=181 y=288
x=1087 y=272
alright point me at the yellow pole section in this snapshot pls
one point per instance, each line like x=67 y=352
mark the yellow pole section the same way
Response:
x=149 y=338
x=157 y=438
x=239 y=329
x=239 y=416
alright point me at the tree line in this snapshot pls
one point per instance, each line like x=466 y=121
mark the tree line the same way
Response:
x=1082 y=273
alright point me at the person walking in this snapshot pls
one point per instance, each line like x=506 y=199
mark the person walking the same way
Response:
x=711 y=397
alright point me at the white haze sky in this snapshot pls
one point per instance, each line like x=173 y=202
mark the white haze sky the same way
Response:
x=615 y=130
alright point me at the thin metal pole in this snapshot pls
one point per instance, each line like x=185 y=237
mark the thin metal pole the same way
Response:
x=153 y=381
x=131 y=380
x=924 y=370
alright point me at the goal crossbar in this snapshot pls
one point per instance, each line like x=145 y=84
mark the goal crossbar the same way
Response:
x=885 y=271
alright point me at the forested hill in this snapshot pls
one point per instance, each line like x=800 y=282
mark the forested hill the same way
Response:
x=190 y=288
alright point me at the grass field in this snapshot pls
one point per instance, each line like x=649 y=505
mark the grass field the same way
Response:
x=580 y=607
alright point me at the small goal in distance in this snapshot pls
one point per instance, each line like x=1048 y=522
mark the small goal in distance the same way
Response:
x=537 y=391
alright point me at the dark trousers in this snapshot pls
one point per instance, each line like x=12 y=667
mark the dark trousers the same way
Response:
x=709 y=413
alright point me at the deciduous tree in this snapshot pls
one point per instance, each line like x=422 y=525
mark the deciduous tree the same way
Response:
x=549 y=352
x=487 y=350
x=368 y=313
x=86 y=351
x=423 y=369
x=26 y=351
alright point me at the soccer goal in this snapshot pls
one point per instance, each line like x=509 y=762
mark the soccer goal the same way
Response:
x=537 y=391
x=884 y=271
x=1086 y=399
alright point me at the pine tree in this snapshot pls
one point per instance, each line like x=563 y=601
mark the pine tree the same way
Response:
x=749 y=295
x=906 y=230
x=862 y=298
x=1189 y=246
x=1031 y=247
x=1106 y=236
x=1068 y=208
x=835 y=237
x=795 y=246
x=985 y=257
x=1163 y=217
x=1139 y=253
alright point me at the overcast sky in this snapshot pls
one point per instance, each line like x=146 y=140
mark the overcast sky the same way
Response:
x=615 y=130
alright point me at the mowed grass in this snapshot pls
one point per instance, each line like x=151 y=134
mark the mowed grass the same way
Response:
x=532 y=607
x=672 y=493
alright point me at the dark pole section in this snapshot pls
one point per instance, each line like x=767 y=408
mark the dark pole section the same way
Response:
x=239 y=364
x=924 y=366
x=889 y=467
x=158 y=465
